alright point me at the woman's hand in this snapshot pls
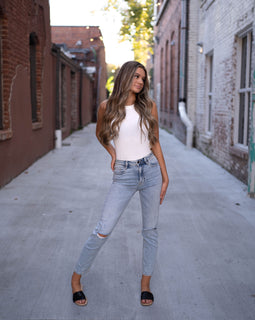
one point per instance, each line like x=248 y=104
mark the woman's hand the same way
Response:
x=164 y=186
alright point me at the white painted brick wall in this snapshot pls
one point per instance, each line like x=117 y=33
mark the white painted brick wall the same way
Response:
x=217 y=29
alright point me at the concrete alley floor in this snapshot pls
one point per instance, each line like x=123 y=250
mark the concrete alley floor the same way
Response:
x=206 y=258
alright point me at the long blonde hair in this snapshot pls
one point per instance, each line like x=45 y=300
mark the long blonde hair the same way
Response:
x=115 y=107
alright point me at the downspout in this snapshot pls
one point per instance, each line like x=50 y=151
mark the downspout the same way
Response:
x=183 y=67
x=80 y=98
x=58 y=132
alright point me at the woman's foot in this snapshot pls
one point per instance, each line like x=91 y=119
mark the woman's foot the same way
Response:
x=146 y=295
x=78 y=295
x=146 y=298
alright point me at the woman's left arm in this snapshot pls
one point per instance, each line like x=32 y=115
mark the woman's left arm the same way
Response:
x=157 y=151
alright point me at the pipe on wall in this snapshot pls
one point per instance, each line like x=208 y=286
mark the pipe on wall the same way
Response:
x=80 y=98
x=183 y=67
x=58 y=131
x=189 y=125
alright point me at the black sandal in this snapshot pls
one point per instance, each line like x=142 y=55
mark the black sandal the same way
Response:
x=79 y=295
x=146 y=295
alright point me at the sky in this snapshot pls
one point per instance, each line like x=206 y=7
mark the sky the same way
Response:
x=90 y=13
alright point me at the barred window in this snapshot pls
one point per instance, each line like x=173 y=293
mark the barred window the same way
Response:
x=161 y=79
x=244 y=91
x=32 y=46
x=167 y=93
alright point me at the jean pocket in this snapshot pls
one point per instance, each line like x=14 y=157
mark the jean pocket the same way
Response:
x=153 y=161
x=119 y=168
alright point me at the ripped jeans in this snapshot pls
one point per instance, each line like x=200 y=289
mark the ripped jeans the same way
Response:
x=143 y=175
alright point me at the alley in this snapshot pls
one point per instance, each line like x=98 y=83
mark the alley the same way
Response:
x=206 y=257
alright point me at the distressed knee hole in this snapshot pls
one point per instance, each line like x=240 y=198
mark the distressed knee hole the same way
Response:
x=101 y=236
x=150 y=229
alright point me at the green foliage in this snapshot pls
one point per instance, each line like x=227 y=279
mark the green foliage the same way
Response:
x=111 y=73
x=109 y=84
x=137 y=19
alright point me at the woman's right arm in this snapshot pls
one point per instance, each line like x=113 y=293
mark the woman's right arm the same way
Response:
x=100 y=118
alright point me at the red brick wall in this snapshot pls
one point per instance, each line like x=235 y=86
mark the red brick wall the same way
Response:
x=22 y=142
x=70 y=35
x=74 y=105
x=166 y=66
x=87 y=100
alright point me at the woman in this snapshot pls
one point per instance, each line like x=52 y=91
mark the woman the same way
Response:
x=129 y=118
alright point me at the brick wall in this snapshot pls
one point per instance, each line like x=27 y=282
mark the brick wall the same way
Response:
x=220 y=22
x=21 y=140
x=72 y=93
x=166 y=65
x=88 y=38
x=63 y=90
x=192 y=58
x=70 y=35
x=219 y=27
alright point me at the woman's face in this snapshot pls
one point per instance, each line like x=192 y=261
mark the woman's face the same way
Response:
x=138 y=80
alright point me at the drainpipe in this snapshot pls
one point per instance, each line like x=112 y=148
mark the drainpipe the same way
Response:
x=183 y=66
x=58 y=132
x=80 y=98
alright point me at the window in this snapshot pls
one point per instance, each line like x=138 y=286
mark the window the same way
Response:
x=36 y=71
x=32 y=45
x=209 y=63
x=74 y=110
x=244 y=92
x=167 y=75
x=161 y=79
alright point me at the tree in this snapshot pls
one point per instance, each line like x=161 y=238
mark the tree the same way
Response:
x=137 y=25
x=111 y=72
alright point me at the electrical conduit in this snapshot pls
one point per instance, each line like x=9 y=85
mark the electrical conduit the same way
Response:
x=183 y=65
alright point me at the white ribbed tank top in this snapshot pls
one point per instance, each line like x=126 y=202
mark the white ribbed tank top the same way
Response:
x=131 y=143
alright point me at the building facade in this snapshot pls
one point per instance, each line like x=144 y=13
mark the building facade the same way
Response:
x=26 y=113
x=224 y=82
x=85 y=46
x=42 y=90
x=219 y=79
x=167 y=32
x=72 y=93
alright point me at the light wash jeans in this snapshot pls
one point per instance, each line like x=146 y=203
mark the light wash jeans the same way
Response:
x=143 y=175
